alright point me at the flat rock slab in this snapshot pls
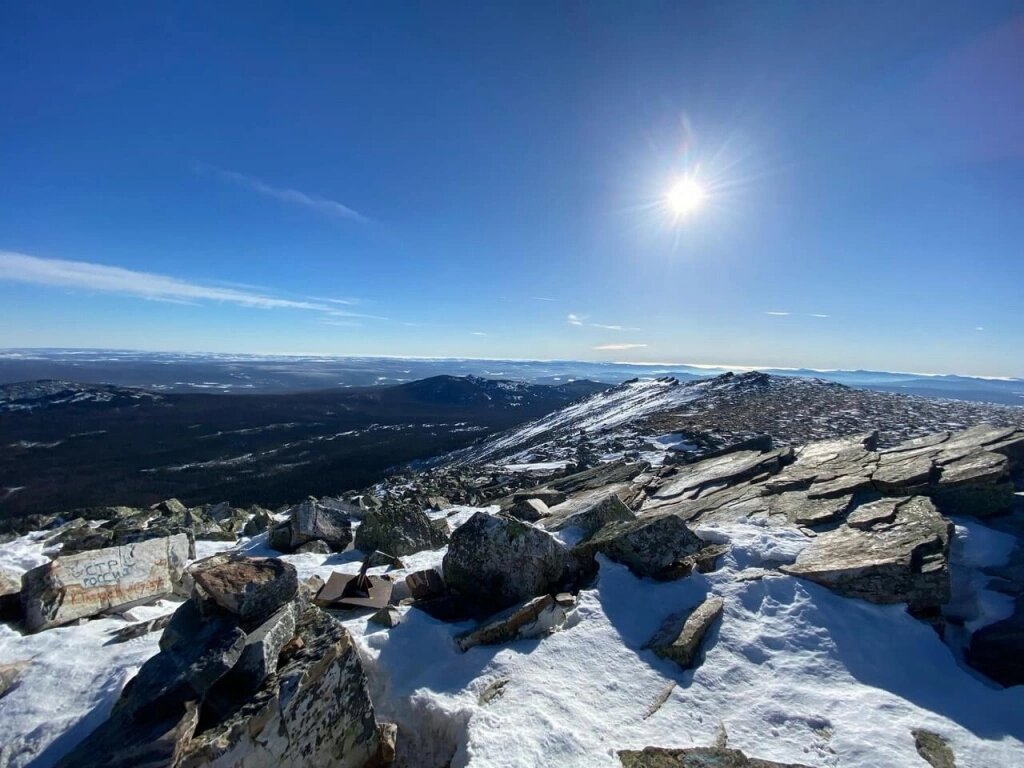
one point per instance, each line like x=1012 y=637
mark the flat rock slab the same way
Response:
x=90 y=583
x=723 y=470
x=249 y=587
x=695 y=757
x=530 y=510
x=680 y=637
x=534 y=618
x=902 y=559
x=799 y=509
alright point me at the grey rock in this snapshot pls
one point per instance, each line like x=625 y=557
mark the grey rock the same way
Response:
x=493 y=690
x=533 y=618
x=651 y=545
x=249 y=587
x=867 y=516
x=315 y=547
x=588 y=512
x=196 y=651
x=425 y=584
x=260 y=521
x=681 y=637
x=502 y=561
x=800 y=509
x=693 y=479
x=399 y=530
x=530 y=510
x=380 y=559
x=315 y=711
x=695 y=757
x=10 y=595
x=388 y=616
x=10 y=674
x=121 y=742
x=170 y=507
x=599 y=476
x=903 y=560
x=262 y=647
x=140 y=629
x=330 y=523
x=933 y=749
x=387 y=749
x=549 y=496
x=90 y=583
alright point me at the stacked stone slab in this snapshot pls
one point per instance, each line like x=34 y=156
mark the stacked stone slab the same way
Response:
x=221 y=692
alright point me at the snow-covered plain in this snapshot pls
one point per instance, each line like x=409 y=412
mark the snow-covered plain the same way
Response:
x=792 y=672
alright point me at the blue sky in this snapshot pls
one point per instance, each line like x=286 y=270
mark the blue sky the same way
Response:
x=489 y=180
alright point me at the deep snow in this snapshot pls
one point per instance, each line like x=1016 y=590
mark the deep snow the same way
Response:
x=793 y=672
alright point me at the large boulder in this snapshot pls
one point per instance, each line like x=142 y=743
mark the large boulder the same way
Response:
x=315 y=710
x=651 y=545
x=310 y=521
x=894 y=551
x=400 y=529
x=222 y=692
x=501 y=561
x=89 y=583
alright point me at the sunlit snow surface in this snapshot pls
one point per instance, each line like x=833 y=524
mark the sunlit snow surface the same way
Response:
x=793 y=672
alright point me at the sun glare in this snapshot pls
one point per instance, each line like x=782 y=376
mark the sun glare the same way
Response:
x=685 y=196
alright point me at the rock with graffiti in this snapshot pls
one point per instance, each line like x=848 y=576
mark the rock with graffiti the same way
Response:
x=89 y=583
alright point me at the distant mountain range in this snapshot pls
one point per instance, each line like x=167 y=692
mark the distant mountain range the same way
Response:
x=175 y=372
x=66 y=445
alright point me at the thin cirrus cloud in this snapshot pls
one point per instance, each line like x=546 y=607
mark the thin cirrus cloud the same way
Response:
x=818 y=314
x=478 y=333
x=102 y=278
x=778 y=314
x=322 y=205
x=579 y=320
x=607 y=347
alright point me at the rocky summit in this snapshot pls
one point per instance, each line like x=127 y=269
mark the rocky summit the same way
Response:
x=619 y=583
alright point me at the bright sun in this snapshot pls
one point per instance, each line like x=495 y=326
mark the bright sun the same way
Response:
x=685 y=197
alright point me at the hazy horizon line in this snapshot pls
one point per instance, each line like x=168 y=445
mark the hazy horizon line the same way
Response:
x=699 y=366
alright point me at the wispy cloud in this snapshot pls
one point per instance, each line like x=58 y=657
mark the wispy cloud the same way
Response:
x=818 y=314
x=478 y=333
x=342 y=323
x=322 y=205
x=619 y=346
x=979 y=328
x=346 y=313
x=543 y=298
x=778 y=314
x=86 y=276
x=580 y=320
